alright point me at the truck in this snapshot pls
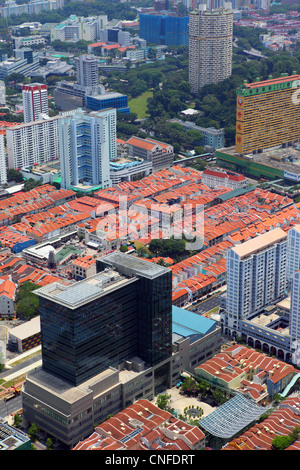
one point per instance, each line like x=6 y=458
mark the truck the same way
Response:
x=13 y=392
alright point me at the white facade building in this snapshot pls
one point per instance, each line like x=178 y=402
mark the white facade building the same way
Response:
x=3 y=169
x=87 y=144
x=219 y=177
x=87 y=73
x=295 y=308
x=32 y=143
x=256 y=276
x=35 y=101
x=293 y=251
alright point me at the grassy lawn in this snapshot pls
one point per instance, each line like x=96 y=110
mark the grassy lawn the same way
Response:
x=139 y=105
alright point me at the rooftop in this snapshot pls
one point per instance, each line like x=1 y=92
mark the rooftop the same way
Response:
x=260 y=243
x=84 y=291
x=134 y=266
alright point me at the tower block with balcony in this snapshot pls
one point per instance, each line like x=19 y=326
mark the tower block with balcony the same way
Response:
x=268 y=114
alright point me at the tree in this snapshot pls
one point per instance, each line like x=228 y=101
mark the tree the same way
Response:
x=281 y=442
x=155 y=246
x=163 y=402
x=27 y=305
x=32 y=432
x=123 y=248
x=49 y=443
x=31 y=183
x=14 y=175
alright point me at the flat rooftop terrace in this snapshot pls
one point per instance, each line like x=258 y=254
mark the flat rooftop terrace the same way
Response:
x=284 y=159
x=84 y=291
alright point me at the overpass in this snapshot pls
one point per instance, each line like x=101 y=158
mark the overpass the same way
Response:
x=186 y=159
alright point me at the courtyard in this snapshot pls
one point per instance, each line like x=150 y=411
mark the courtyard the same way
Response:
x=180 y=402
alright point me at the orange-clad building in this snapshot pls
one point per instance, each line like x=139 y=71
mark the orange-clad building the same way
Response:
x=267 y=114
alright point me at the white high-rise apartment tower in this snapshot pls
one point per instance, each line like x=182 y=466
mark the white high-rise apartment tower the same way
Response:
x=294 y=326
x=3 y=172
x=256 y=276
x=293 y=264
x=87 y=72
x=35 y=101
x=87 y=142
x=32 y=143
x=210 y=45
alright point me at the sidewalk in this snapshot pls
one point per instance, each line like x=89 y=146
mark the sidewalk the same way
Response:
x=19 y=371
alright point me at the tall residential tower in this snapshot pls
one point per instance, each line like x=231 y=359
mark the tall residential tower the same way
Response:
x=35 y=101
x=256 y=276
x=87 y=143
x=210 y=45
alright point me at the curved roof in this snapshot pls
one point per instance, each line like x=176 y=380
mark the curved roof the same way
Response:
x=232 y=417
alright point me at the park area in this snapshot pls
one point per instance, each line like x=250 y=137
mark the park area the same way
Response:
x=139 y=105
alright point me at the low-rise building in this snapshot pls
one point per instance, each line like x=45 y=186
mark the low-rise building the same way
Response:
x=144 y=426
x=219 y=177
x=159 y=153
x=83 y=267
x=12 y=438
x=25 y=336
x=236 y=368
x=7 y=297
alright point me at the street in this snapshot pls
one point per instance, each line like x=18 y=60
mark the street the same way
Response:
x=205 y=306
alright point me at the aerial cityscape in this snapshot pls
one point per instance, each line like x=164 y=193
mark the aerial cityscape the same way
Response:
x=149 y=227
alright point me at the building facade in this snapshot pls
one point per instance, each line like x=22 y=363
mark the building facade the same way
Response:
x=108 y=341
x=87 y=72
x=210 y=46
x=158 y=153
x=32 y=143
x=267 y=114
x=35 y=101
x=87 y=143
x=256 y=277
x=293 y=251
x=3 y=166
x=164 y=28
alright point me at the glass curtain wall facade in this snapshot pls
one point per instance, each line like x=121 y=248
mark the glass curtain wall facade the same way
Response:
x=78 y=344
x=164 y=29
x=153 y=305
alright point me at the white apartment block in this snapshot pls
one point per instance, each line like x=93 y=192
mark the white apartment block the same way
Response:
x=3 y=169
x=28 y=41
x=35 y=101
x=87 y=143
x=293 y=251
x=87 y=72
x=32 y=143
x=77 y=28
x=256 y=276
x=295 y=308
x=210 y=46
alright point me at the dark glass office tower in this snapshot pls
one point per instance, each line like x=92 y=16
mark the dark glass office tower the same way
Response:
x=153 y=307
x=121 y=312
x=153 y=304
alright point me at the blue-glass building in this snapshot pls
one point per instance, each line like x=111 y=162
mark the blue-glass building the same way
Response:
x=164 y=28
x=108 y=100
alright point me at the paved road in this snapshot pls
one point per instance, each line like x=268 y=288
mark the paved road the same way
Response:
x=206 y=305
